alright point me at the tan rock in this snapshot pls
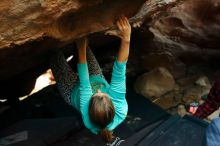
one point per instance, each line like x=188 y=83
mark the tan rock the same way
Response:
x=169 y=100
x=203 y=81
x=35 y=27
x=187 y=81
x=202 y=87
x=181 y=110
x=155 y=83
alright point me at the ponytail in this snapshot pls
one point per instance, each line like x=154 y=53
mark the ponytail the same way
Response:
x=101 y=113
x=106 y=135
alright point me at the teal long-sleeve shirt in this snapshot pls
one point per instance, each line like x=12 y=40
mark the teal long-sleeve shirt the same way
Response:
x=88 y=85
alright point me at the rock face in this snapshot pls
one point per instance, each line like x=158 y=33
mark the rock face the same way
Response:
x=166 y=60
x=31 y=29
x=200 y=88
x=155 y=83
x=190 y=28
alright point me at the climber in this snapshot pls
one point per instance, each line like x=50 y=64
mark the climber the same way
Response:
x=211 y=103
x=102 y=106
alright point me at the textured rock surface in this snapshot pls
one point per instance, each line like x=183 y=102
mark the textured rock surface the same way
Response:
x=155 y=83
x=31 y=29
x=200 y=88
x=190 y=28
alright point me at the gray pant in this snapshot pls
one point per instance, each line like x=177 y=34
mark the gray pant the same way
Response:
x=65 y=78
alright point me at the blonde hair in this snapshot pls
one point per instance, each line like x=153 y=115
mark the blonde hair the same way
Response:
x=101 y=113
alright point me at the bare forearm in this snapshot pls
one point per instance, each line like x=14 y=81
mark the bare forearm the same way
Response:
x=124 y=51
x=82 y=55
x=81 y=45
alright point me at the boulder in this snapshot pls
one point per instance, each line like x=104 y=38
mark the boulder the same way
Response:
x=181 y=110
x=200 y=88
x=155 y=83
x=203 y=81
x=164 y=59
x=171 y=99
x=31 y=30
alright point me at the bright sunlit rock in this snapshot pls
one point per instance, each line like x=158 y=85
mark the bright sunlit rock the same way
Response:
x=42 y=81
